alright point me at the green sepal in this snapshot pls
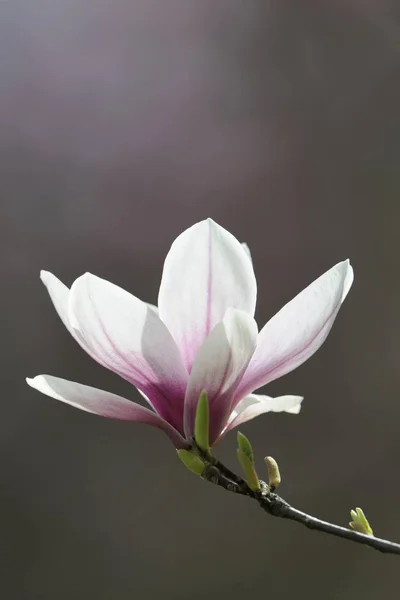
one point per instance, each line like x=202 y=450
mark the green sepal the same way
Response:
x=192 y=461
x=245 y=447
x=202 y=423
x=360 y=522
x=248 y=468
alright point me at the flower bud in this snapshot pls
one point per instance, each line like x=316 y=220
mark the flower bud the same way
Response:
x=359 y=522
x=274 y=476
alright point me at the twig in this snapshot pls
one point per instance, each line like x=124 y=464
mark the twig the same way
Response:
x=217 y=473
x=276 y=506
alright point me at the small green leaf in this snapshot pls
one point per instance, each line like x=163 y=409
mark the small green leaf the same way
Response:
x=202 y=423
x=192 y=461
x=248 y=468
x=360 y=522
x=245 y=447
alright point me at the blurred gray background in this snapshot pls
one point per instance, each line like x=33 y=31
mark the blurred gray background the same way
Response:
x=122 y=123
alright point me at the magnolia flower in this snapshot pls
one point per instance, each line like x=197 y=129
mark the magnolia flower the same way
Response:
x=203 y=336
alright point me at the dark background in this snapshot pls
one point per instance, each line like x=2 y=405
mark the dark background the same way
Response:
x=121 y=124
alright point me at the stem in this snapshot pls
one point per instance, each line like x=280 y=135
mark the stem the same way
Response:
x=278 y=507
x=217 y=473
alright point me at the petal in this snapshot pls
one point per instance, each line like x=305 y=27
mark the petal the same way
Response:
x=247 y=250
x=298 y=329
x=102 y=403
x=127 y=337
x=206 y=272
x=219 y=367
x=59 y=294
x=254 y=405
x=153 y=307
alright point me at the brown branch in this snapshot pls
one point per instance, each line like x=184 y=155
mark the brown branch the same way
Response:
x=274 y=505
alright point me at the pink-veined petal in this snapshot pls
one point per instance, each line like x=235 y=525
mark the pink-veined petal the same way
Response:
x=102 y=403
x=127 y=337
x=218 y=368
x=298 y=329
x=254 y=405
x=59 y=294
x=205 y=272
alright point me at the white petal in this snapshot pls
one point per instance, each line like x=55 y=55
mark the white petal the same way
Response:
x=153 y=307
x=59 y=294
x=127 y=337
x=247 y=250
x=298 y=329
x=218 y=368
x=102 y=403
x=206 y=272
x=254 y=405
